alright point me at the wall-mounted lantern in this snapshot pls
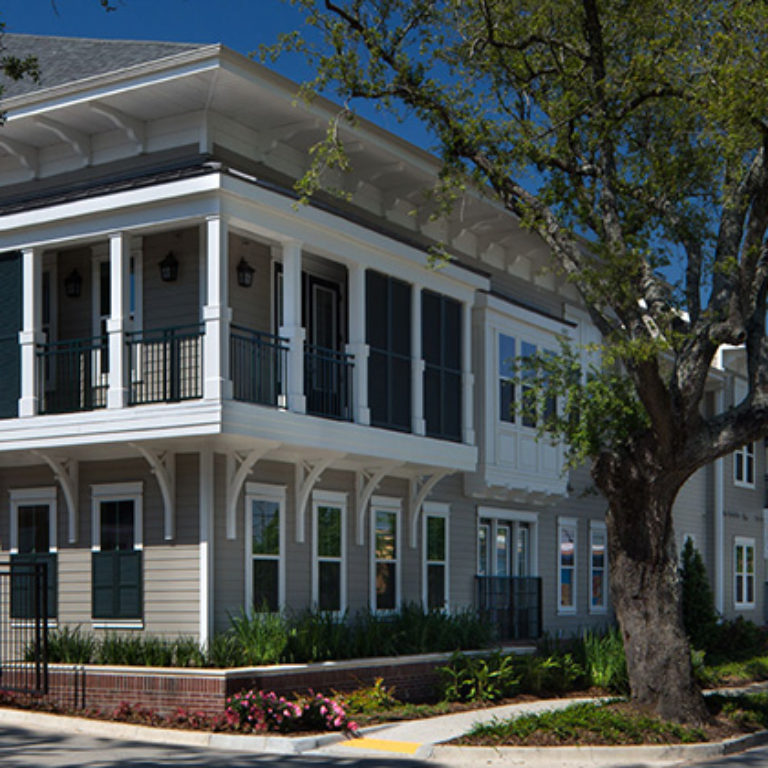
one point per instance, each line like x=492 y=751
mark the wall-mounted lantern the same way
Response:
x=73 y=284
x=244 y=274
x=169 y=268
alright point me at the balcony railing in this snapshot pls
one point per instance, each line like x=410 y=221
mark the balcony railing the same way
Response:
x=512 y=604
x=328 y=382
x=258 y=365
x=72 y=375
x=165 y=365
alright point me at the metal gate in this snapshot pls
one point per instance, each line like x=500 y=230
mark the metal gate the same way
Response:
x=512 y=604
x=24 y=627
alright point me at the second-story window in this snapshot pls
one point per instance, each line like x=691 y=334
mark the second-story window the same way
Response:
x=506 y=378
x=388 y=333
x=744 y=465
x=441 y=347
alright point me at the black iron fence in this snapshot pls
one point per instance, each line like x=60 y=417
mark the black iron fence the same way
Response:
x=165 y=364
x=24 y=626
x=258 y=365
x=512 y=604
x=73 y=375
x=328 y=382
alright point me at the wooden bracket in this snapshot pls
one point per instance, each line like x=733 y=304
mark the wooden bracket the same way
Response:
x=66 y=473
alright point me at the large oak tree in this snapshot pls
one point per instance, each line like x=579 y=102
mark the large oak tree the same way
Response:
x=630 y=136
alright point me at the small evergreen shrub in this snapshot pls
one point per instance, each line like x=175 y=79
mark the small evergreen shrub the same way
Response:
x=699 y=615
x=604 y=662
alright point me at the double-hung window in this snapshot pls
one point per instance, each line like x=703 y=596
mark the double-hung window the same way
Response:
x=385 y=551
x=33 y=542
x=744 y=466
x=329 y=525
x=566 y=564
x=598 y=565
x=116 y=558
x=265 y=547
x=435 y=538
x=526 y=399
x=744 y=572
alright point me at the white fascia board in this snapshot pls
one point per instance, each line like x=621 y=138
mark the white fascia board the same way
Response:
x=304 y=431
x=118 y=81
x=139 y=208
x=508 y=310
x=111 y=425
x=339 y=238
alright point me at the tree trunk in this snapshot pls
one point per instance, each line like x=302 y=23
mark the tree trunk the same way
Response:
x=646 y=591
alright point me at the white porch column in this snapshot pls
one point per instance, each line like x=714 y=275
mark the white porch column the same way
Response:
x=217 y=315
x=357 y=345
x=467 y=377
x=291 y=328
x=206 y=514
x=119 y=267
x=31 y=334
x=418 y=424
x=719 y=521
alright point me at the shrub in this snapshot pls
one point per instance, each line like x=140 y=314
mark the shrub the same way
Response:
x=71 y=646
x=373 y=698
x=262 y=711
x=699 y=615
x=550 y=675
x=604 y=662
x=261 y=637
x=478 y=678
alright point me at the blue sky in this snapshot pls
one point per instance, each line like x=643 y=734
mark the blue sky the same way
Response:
x=239 y=24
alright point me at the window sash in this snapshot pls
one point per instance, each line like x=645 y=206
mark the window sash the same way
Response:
x=385 y=551
x=567 y=566
x=744 y=573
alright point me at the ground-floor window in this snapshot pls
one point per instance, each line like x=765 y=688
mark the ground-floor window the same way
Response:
x=329 y=526
x=265 y=542
x=385 y=551
x=744 y=572
x=435 y=556
x=566 y=564
x=598 y=565
x=116 y=557
x=33 y=542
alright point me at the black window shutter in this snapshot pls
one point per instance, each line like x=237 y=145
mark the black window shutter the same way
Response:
x=10 y=325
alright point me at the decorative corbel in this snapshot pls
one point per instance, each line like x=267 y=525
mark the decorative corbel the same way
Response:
x=307 y=474
x=66 y=473
x=237 y=471
x=163 y=467
x=419 y=489
x=134 y=129
x=367 y=482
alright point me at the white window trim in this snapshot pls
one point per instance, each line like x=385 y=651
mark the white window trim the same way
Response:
x=264 y=492
x=568 y=610
x=597 y=526
x=436 y=509
x=338 y=500
x=386 y=504
x=744 y=541
x=24 y=497
x=742 y=483
x=497 y=514
x=118 y=492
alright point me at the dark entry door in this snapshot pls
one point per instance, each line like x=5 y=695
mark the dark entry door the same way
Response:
x=10 y=325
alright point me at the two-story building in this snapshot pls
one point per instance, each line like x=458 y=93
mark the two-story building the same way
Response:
x=214 y=399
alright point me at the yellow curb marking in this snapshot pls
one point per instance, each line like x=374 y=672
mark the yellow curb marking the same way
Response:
x=384 y=745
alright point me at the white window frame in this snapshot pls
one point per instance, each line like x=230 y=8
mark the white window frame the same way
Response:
x=747 y=453
x=509 y=517
x=597 y=526
x=567 y=522
x=264 y=492
x=393 y=505
x=117 y=492
x=28 y=497
x=744 y=542
x=338 y=500
x=441 y=510
x=488 y=533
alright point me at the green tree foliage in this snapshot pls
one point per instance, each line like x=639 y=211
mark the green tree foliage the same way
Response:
x=630 y=137
x=699 y=615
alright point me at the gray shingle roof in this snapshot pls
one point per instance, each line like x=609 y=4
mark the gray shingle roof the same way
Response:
x=67 y=59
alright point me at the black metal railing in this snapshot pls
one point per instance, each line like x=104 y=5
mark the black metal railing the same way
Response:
x=512 y=604
x=73 y=375
x=258 y=366
x=24 y=627
x=165 y=364
x=328 y=382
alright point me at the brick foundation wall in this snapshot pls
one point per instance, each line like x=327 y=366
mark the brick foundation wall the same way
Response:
x=163 y=690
